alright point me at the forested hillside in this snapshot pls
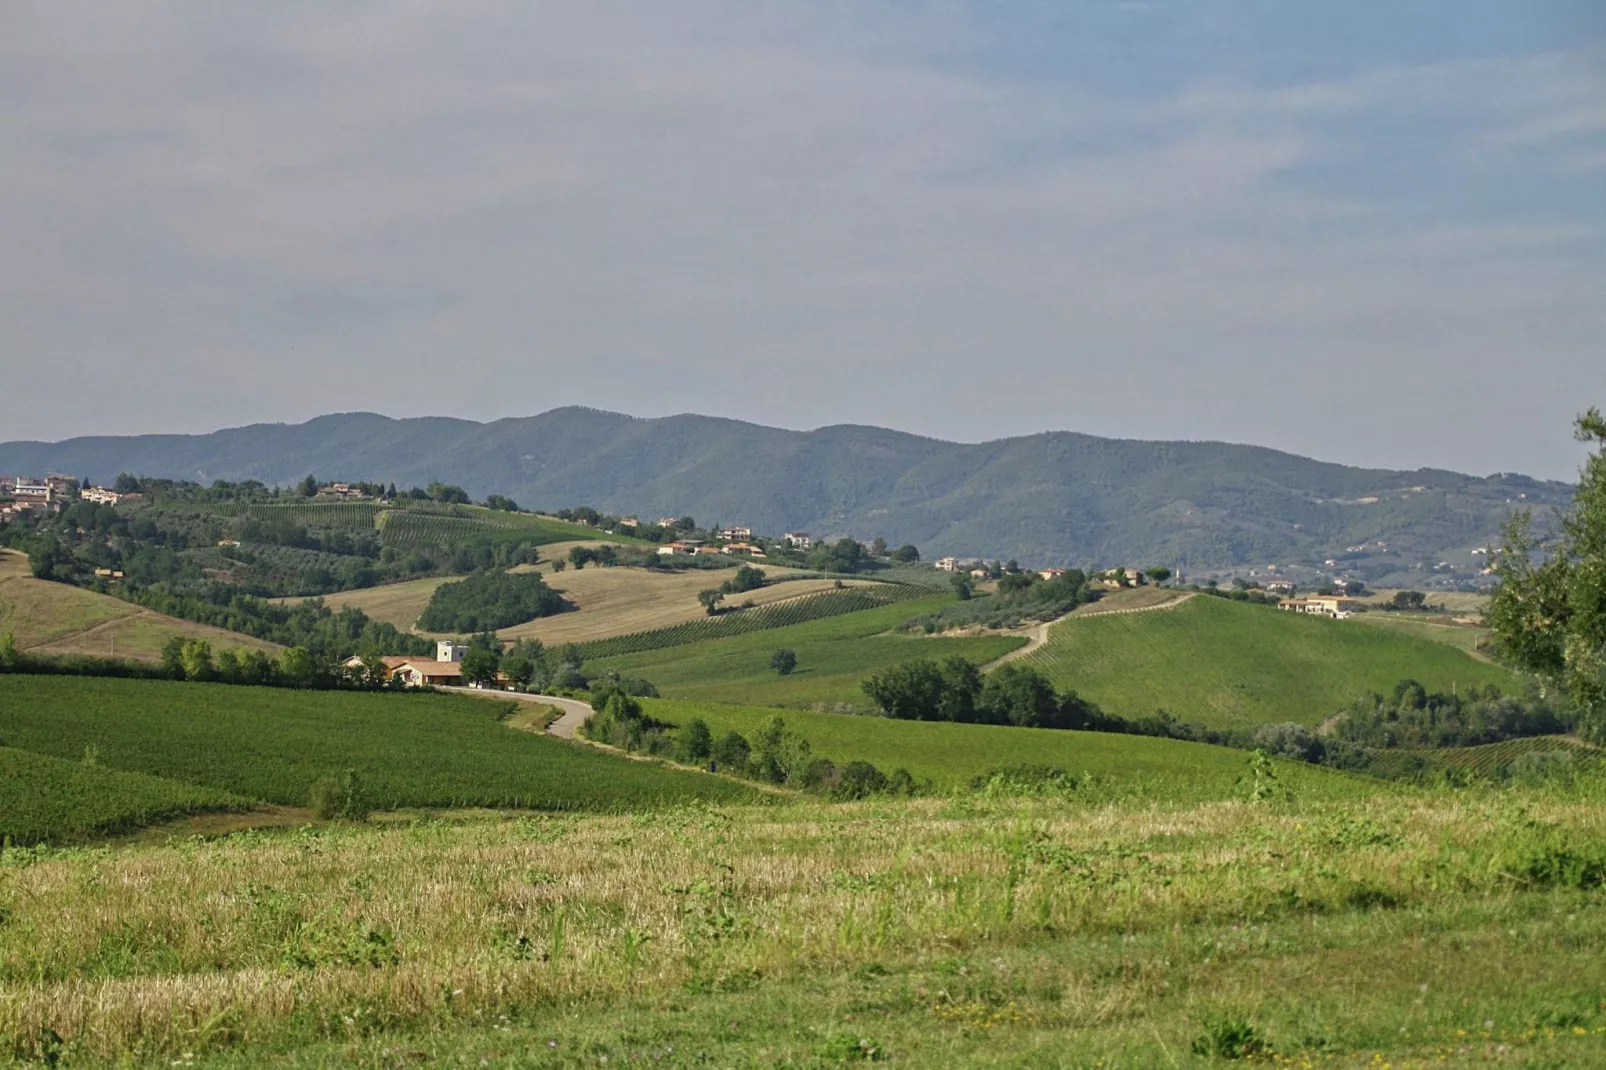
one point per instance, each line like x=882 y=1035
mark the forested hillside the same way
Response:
x=1054 y=498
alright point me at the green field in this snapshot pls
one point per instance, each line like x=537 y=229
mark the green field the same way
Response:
x=1464 y=637
x=45 y=798
x=834 y=656
x=1229 y=665
x=1408 y=930
x=951 y=755
x=272 y=744
x=410 y=528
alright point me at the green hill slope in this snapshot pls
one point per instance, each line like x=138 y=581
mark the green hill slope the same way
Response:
x=1228 y=665
x=834 y=655
x=272 y=745
x=951 y=754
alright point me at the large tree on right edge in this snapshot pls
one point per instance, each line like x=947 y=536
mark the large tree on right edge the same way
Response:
x=1549 y=613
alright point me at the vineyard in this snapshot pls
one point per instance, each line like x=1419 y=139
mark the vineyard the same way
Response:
x=410 y=528
x=46 y=798
x=360 y=516
x=1499 y=760
x=272 y=745
x=762 y=618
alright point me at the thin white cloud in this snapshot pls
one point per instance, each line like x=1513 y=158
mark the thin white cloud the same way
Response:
x=222 y=215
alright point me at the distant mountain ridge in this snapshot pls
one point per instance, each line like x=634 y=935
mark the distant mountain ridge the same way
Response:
x=1053 y=498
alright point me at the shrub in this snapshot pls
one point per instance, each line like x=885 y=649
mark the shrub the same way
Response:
x=340 y=798
x=731 y=753
x=784 y=661
x=860 y=779
x=1230 y=1038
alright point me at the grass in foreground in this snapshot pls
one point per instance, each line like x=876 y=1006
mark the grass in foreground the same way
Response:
x=1409 y=931
x=951 y=755
x=272 y=745
x=1228 y=665
x=834 y=656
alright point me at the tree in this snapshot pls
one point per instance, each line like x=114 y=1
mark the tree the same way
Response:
x=173 y=657
x=912 y=691
x=747 y=578
x=961 y=585
x=1159 y=573
x=1408 y=600
x=1549 y=618
x=784 y=661
x=685 y=523
x=731 y=752
x=523 y=661
x=196 y=656
x=711 y=598
x=878 y=547
x=297 y=667
x=309 y=486
x=498 y=502
x=1018 y=695
x=906 y=554
x=480 y=666
x=695 y=743
x=9 y=657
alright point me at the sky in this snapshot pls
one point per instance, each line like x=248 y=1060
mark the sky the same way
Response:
x=1372 y=233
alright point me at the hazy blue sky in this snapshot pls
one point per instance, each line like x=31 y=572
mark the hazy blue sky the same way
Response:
x=1370 y=232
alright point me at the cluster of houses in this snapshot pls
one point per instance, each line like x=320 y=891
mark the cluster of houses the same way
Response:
x=732 y=542
x=46 y=496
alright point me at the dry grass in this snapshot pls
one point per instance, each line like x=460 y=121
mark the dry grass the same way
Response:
x=54 y=618
x=1471 y=605
x=619 y=601
x=1131 y=598
x=344 y=932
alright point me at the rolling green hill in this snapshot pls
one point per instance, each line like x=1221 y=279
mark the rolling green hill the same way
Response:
x=1227 y=664
x=272 y=745
x=834 y=655
x=950 y=755
x=1054 y=498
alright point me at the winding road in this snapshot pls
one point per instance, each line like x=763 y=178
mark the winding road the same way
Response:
x=575 y=712
x=1038 y=635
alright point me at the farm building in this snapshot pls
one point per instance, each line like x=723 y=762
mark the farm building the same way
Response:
x=1320 y=606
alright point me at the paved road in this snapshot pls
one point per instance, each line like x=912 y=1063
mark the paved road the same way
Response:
x=575 y=712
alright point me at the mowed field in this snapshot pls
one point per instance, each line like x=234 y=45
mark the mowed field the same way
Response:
x=951 y=755
x=1471 y=605
x=834 y=656
x=621 y=601
x=54 y=618
x=1230 y=665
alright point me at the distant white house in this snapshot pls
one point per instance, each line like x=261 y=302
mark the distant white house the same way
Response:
x=735 y=534
x=449 y=652
x=1320 y=606
x=100 y=495
x=798 y=540
x=948 y=564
